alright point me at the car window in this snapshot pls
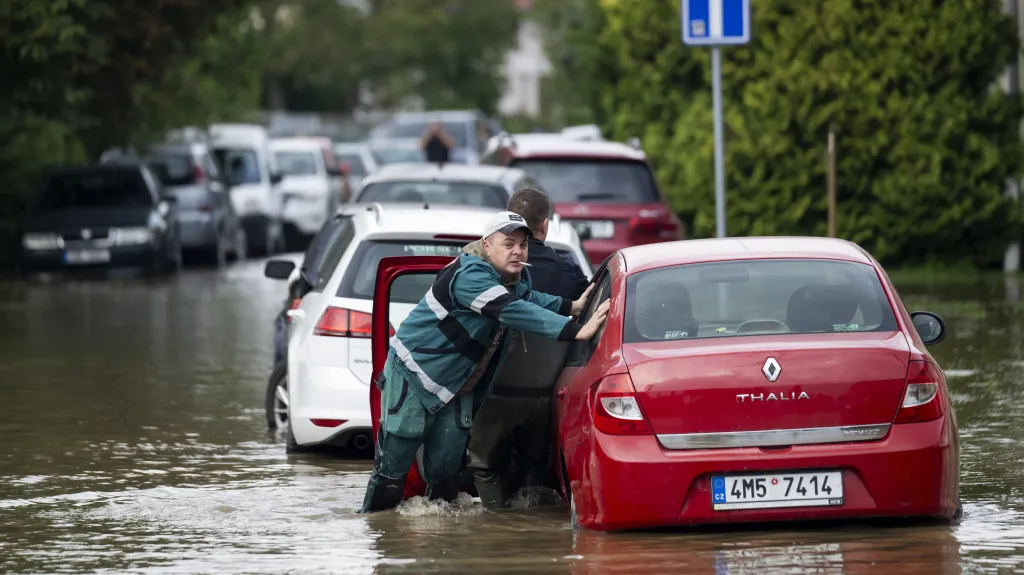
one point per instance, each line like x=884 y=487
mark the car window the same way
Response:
x=435 y=192
x=210 y=166
x=317 y=250
x=384 y=156
x=95 y=189
x=172 y=169
x=755 y=297
x=416 y=129
x=240 y=164
x=296 y=163
x=355 y=162
x=335 y=247
x=361 y=273
x=587 y=180
x=581 y=350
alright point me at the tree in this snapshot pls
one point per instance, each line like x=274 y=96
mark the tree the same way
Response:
x=926 y=143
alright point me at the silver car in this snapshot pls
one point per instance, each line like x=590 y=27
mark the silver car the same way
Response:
x=449 y=184
x=210 y=227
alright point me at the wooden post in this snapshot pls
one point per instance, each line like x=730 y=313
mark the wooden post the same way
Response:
x=831 y=182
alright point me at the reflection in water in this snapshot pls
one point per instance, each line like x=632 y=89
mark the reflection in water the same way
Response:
x=134 y=441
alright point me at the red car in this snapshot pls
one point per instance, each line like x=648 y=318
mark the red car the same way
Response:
x=605 y=189
x=745 y=380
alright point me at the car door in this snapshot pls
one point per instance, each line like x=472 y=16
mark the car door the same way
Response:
x=218 y=191
x=388 y=271
x=572 y=391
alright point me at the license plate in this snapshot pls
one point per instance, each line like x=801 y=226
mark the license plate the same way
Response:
x=594 y=229
x=766 y=491
x=87 y=256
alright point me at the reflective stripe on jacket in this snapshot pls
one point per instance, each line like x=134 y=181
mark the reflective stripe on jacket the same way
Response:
x=446 y=334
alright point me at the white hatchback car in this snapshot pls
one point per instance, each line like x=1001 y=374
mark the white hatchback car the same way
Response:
x=323 y=397
x=311 y=188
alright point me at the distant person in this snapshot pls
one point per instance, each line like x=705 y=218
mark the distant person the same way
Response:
x=437 y=144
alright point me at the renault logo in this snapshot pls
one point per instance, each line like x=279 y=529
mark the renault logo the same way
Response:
x=771 y=369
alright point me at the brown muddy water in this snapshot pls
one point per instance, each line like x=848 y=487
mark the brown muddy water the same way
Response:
x=132 y=440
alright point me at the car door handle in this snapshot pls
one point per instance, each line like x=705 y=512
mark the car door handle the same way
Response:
x=296 y=313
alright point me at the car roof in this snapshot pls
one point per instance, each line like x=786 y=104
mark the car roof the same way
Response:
x=501 y=175
x=547 y=145
x=357 y=147
x=649 y=256
x=413 y=220
x=393 y=143
x=450 y=115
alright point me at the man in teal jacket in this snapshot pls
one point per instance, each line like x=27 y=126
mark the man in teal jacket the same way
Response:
x=445 y=348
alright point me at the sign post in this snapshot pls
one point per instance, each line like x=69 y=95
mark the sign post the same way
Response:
x=716 y=23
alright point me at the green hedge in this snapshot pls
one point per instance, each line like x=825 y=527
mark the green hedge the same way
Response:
x=927 y=139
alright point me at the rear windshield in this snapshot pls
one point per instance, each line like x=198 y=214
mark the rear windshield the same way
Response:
x=355 y=163
x=99 y=189
x=755 y=297
x=296 y=163
x=384 y=156
x=361 y=274
x=590 y=180
x=240 y=165
x=431 y=192
x=172 y=169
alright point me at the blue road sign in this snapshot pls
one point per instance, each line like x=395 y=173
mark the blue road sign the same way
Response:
x=716 y=22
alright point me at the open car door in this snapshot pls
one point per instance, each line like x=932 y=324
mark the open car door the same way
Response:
x=388 y=271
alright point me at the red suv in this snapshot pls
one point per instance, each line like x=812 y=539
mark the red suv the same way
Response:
x=605 y=189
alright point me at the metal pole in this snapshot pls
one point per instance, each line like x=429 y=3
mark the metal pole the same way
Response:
x=716 y=97
x=831 y=183
x=1011 y=257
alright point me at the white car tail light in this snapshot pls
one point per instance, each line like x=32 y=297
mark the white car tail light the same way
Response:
x=617 y=409
x=922 y=400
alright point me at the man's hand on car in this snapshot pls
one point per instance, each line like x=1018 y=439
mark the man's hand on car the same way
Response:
x=594 y=323
x=579 y=305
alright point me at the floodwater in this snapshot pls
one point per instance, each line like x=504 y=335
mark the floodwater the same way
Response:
x=132 y=440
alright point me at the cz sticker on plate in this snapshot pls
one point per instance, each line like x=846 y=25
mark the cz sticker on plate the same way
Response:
x=776 y=490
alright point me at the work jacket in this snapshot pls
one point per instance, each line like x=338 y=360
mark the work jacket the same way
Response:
x=446 y=335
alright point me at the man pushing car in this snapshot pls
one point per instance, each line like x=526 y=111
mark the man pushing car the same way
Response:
x=450 y=343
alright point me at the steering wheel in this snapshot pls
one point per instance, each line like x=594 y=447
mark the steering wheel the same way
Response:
x=762 y=325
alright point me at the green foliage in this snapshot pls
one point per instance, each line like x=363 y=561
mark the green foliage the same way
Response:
x=583 y=66
x=926 y=140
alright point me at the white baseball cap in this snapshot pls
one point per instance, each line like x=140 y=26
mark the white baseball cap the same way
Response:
x=506 y=223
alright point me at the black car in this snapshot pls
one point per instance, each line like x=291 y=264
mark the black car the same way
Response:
x=105 y=216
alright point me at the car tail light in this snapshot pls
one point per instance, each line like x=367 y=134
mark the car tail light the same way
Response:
x=617 y=409
x=922 y=401
x=341 y=322
x=198 y=173
x=327 y=422
x=665 y=226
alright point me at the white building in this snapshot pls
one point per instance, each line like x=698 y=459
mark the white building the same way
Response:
x=524 y=68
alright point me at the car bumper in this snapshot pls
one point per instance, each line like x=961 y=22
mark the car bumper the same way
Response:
x=115 y=257
x=198 y=232
x=319 y=392
x=631 y=482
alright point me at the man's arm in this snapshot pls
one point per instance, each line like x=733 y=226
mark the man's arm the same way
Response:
x=481 y=292
x=554 y=303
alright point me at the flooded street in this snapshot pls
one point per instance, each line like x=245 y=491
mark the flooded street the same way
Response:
x=133 y=440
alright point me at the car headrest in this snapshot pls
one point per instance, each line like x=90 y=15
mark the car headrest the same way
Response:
x=663 y=310
x=819 y=307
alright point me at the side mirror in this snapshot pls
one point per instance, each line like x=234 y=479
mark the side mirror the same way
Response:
x=929 y=326
x=275 y=178
x=278 y=269
x=163 y=207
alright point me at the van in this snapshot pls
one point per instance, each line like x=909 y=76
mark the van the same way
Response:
x=243 y=152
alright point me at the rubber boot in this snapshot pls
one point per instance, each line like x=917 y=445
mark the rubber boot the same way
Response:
x=447 y=490
x=493 y=491
x=382 y=493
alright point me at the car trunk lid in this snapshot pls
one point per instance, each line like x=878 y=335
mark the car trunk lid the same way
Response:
x=768 y=383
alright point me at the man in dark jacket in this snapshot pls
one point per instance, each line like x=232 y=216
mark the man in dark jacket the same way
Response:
x=509 y=446
x=443 y=352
